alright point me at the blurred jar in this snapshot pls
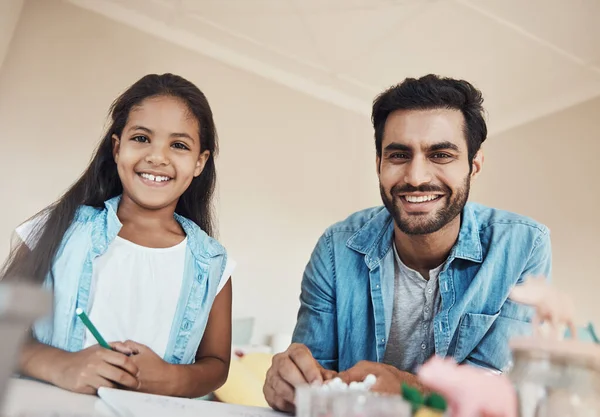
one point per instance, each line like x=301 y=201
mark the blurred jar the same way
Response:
x=556 y=378
x=313 y=401
x=370 y=405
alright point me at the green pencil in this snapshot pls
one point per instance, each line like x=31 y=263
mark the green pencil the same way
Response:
x=86 y=320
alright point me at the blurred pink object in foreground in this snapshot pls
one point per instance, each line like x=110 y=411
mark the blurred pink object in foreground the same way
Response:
x=469 y=391
x=543 y=361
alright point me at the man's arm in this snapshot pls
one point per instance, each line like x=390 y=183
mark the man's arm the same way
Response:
x=315 y=335
x=316 y=325
x=540 y=259
x=513 y=319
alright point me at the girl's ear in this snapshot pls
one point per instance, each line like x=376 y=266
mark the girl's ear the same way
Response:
x=201 y=162
x=116 y=145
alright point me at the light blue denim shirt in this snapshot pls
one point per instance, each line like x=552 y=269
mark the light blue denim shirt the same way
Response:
x=88 y=237
x=347 y=293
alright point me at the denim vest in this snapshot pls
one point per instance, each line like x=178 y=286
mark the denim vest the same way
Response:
x=88 y=237
x=347 y=294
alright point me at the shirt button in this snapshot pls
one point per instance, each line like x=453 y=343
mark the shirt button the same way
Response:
x=382 y=340
x=425 y=326
x=423 y=346
x=430 y=291
x=377 y=286
x=427 y=309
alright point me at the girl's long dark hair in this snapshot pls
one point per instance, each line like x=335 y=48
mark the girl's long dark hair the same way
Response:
x=100 y=181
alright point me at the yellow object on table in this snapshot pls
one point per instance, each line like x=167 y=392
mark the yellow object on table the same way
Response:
x=428 y=412
x=244 y=385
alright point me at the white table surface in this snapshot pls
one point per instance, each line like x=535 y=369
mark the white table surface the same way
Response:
x=27 y=398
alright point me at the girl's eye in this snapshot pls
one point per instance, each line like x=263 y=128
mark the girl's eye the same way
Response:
x=179 y=145
x=140 y=138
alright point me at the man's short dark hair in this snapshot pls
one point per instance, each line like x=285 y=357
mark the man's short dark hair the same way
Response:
x=433 y=92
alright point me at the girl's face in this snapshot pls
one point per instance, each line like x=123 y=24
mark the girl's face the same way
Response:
x=158 y=154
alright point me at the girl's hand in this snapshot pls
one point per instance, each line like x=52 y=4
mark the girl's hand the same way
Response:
x=89 y=369
x=154 y=373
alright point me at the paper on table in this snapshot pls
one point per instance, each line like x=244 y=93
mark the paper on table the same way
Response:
x=134 y=404
x=49 y=413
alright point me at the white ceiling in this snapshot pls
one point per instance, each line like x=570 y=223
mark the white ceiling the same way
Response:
x=529 y=57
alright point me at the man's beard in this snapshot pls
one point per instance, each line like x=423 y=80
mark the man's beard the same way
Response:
x=431 y=222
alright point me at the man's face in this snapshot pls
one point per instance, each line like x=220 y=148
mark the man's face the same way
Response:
x=424 y=171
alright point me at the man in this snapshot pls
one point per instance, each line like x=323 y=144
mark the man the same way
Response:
x=427 y=274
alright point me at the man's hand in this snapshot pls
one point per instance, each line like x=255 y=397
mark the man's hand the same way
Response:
x=389 y=378
x=296 y=366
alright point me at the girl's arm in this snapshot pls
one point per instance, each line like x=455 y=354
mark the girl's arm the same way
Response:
x=211 y=368
x=40 y=361
x=84 y=371
x=207 y=374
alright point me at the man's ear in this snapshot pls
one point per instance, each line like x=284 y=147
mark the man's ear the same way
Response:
x=477 y=164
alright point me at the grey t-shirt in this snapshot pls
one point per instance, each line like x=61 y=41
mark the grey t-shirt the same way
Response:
x=416 y=302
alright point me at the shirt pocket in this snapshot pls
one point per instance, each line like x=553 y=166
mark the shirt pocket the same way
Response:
x=484 y=339
x=472 y=329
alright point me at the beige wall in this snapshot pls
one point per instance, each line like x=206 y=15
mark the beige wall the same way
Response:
x=289 y=165
x=10 y=10
x=549 y=170
x=274 y=200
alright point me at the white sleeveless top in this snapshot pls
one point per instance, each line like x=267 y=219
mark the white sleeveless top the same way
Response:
x=135 y=291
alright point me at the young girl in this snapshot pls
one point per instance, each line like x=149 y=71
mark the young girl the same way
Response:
x=129 y=244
